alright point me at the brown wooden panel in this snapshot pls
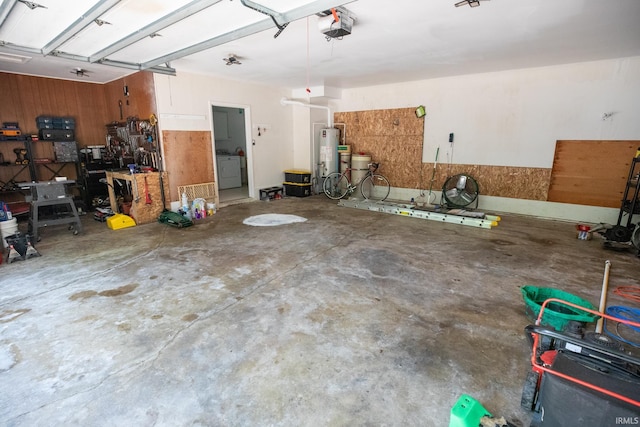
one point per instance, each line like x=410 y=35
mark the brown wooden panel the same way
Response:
x=91 y=105
x=188 y=157
x=26 y=97
x=141 y=101
x=591 y=172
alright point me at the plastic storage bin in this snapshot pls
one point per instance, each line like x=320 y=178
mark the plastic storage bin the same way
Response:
x=297 y=176
x=296 y=189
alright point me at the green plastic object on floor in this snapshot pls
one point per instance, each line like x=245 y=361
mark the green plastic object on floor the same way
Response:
x=467 y=412
x=555 y=314
x=174 y=219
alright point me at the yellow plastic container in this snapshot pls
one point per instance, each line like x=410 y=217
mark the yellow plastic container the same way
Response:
x=118 y=221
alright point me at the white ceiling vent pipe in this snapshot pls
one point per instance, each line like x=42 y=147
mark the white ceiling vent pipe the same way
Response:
x=285 y=101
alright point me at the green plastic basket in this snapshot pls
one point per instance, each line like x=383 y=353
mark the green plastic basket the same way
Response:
x=555 y=314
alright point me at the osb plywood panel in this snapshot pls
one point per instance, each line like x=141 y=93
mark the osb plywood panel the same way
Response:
x=591 y=173
x=499 y=181
x=394 y=138
x=188 y=158
x=146 y=189
x=142 y=210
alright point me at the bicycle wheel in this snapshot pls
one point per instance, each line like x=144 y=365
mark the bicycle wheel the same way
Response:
x=335 y=186
x=375 y=187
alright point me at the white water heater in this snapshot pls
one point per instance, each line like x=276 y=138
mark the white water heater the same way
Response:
x=328 y=159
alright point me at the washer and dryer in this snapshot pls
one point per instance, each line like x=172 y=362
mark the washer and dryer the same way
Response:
x=229 y=171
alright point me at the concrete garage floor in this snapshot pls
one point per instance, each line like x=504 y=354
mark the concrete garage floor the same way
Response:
x=350 y=318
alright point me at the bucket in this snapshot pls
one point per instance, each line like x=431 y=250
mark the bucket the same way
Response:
x=360 y=164
x=8 y=228
x=555 y=314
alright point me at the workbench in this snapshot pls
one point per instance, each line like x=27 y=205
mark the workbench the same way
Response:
x=139 y=186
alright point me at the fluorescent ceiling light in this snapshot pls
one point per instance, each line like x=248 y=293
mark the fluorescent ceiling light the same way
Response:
x=16 y=59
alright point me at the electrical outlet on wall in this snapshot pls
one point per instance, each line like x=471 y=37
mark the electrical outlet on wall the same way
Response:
x=261 y=129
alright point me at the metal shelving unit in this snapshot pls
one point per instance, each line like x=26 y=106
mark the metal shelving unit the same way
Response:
x=630 y=203
x=14 y=164
x=625 y=233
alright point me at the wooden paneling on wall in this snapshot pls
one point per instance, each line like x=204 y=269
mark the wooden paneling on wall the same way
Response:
x=141 y=101
x=591 y=173
x=92 y=105
x=188 y=158
x=25 y=97
x=394 y=138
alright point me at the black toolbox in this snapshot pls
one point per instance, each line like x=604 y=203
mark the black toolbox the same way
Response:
x=56 y=134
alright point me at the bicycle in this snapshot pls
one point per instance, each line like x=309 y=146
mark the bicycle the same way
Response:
x=372 y=186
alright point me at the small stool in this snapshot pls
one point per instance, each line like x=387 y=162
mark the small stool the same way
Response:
x=270 y=192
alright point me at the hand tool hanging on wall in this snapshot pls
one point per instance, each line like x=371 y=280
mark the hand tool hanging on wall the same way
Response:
x=147 y=196
x=134 y=183
x=153 y=121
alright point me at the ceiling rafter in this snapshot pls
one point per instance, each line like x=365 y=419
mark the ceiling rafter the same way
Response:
x=272 y=13
x=139 y=67
x=5 y=9
x=170 y=19
x=292 y=15
x=80 y=24
x=161 y=64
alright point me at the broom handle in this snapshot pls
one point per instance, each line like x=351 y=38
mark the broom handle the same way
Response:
x=435 y=164
x=603 y=296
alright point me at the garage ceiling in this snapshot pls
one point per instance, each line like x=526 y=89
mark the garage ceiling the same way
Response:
x=389 y=42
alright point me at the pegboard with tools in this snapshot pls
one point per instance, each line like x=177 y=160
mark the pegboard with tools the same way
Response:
x=133 y=141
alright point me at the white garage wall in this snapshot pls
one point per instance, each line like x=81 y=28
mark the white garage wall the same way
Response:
x=510 y=118
x=184 y=103
x=513 y=118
